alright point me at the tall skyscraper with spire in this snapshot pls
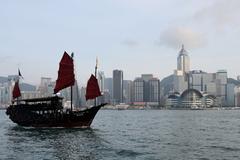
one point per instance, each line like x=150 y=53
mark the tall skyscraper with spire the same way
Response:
x=183 y=61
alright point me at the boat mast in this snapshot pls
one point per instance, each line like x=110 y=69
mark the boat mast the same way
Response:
x=71 y=86
x=17 y=97
x=17 y=101
x=95 y=101
x=18 y=80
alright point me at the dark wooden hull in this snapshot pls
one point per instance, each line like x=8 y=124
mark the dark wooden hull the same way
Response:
x=24 y=116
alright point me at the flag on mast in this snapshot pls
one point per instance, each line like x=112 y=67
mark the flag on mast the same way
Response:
x=96 y=62
x=19 y=73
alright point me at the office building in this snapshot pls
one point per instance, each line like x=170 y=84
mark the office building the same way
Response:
x=183 y=61
x=146 y=89
x=138 y=85
x=127 y=91
x=101 y=80
x=154 y=90
x=117 y=86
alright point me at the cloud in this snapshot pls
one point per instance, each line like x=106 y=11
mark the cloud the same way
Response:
x=221 y=14
x=175 y=37
x=129 y=43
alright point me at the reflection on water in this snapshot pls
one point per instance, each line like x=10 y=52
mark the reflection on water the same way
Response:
x=129 y=135
x=53 y=143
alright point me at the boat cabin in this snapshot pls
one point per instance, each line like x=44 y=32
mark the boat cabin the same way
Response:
x=35 y=104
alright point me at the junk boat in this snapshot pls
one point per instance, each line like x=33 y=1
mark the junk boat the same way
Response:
x=49 y=111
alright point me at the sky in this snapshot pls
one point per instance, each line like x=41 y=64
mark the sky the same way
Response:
x=136 y=36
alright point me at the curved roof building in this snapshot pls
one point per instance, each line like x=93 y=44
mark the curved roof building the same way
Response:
x=191 y=92
x=191 y=98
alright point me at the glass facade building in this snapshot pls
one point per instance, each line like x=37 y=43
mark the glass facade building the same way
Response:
x=117 y=86
x=183 y=62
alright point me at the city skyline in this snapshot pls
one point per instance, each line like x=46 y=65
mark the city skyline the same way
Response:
x=124 y=35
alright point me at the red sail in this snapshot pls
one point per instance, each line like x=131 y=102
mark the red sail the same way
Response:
x=93 y=90
x=16 y=91
x=66 y=75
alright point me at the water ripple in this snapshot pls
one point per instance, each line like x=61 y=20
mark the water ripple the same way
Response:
x=144 y=135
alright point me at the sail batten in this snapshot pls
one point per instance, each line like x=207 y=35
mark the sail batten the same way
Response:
x=66 y=77
x=93 y=90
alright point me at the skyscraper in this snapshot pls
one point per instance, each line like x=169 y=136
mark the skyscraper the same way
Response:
x=154 y=90
x=127 y=91
x=101 y=79
x=146 y=89
x=118 y=86
x=183 y=62
x=45 y=87
x=108 y=86
x=221 y=82
x=138 y=85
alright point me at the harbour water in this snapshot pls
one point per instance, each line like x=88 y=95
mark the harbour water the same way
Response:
x=130 y=134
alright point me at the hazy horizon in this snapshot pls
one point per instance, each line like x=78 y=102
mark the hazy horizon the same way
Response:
x=136 y=36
